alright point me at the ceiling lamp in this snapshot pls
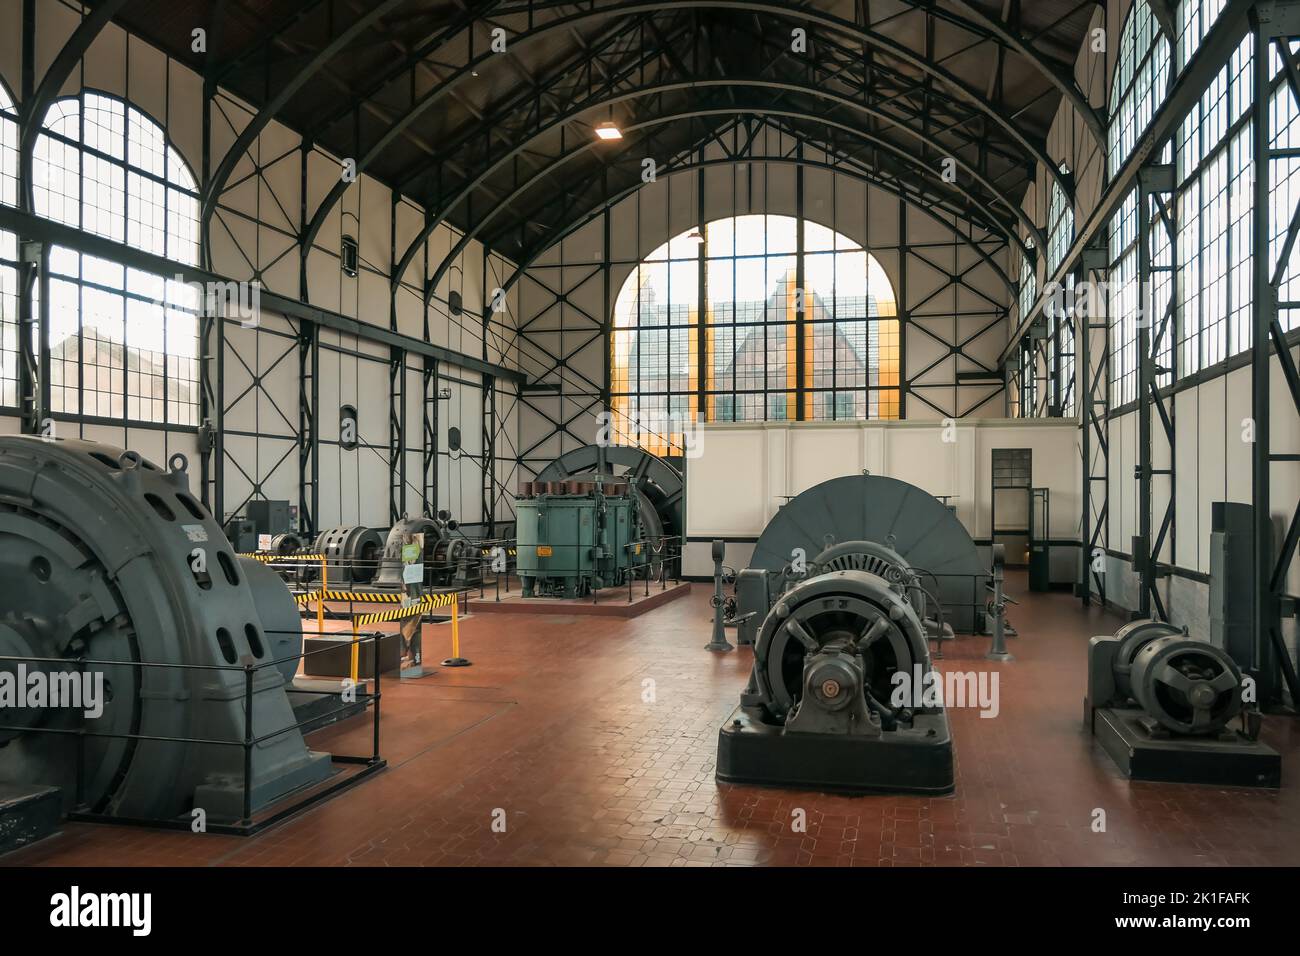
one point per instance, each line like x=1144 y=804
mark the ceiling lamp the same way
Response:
x=694 y=236
x=608 y=131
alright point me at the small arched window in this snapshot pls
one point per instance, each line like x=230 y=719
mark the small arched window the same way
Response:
x=123 y=343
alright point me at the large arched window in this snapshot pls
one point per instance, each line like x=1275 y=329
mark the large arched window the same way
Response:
x=8 y=253
x=123 y=343
x=766 y=348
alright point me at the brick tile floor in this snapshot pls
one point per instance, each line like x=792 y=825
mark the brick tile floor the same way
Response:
x=593 y=739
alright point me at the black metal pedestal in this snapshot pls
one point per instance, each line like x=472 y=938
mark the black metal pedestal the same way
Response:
x=918 y=760
x=1229 y=760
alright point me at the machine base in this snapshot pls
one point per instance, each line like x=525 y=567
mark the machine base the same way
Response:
x=28 y=813
x=1231 y=761
x=904 y=761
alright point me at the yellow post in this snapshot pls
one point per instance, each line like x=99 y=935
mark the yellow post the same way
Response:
x=320 y=611
x=356 y=653
x=455 y=625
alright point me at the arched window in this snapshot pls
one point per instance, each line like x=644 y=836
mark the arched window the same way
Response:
x=8 y=253
x=123 y=343
x=756 y=330
x=1139 y=83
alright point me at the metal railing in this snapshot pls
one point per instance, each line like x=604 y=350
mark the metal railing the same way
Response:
x=247 y=825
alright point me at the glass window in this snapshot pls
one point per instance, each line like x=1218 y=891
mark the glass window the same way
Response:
x=753 y=337
x=8 y=253
x=1138 y=84
x=123 y=343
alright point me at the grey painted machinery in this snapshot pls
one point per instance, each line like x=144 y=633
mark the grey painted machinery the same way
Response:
x=1160 y=704
x=353 y=554
x=107 y=558
x=820 y=710
x=449 y=559
x=366 y=556
x=885 y=527
x=574 y=537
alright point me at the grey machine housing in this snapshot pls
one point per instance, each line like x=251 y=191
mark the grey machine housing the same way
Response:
x=882 y=525
x=1160 y=704
x=820 y=712
x=108 y=558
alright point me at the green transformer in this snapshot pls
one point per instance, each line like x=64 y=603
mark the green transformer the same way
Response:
x=575 y=537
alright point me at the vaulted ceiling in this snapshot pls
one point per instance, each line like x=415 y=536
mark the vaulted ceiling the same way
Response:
x=422 y=95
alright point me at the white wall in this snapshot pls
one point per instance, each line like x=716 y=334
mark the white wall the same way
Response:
x=744 y=472
x=254 y=235
x=562 y=297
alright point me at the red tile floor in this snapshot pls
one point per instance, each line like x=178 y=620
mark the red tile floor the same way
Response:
x=551 y=727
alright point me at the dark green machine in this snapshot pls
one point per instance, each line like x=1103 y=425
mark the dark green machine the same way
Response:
x=575 y=537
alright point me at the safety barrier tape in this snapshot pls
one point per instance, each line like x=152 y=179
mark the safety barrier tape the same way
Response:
x=426 y=603
x=268 y=558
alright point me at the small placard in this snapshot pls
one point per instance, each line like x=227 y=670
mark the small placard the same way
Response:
x=263 y=542
x=410 y=553
x=543 y=550
x=413 y=574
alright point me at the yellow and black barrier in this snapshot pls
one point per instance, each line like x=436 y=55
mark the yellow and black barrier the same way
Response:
x=356 y=597
x=426 y=603
x=417 y=609
x=272 y=558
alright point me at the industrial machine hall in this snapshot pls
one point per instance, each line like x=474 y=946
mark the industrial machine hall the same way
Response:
x=700 y=433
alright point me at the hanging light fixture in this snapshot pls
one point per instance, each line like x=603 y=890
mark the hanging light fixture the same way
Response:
x=608 y=131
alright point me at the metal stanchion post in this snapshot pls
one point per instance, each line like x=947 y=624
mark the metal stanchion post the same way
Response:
x=719 y=642
x=998 y=652
x=356 y=653
x=455 y=660
x=374 y=693
x=320 y=601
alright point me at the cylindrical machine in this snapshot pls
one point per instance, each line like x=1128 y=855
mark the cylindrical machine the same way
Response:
x=908 y=523
x=353 y=553
x=286 y=543
x=839 y=616
x=437 y=535
x=841 y=695
x=1132 y=637
x=1190 y=687
x=108 y=559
